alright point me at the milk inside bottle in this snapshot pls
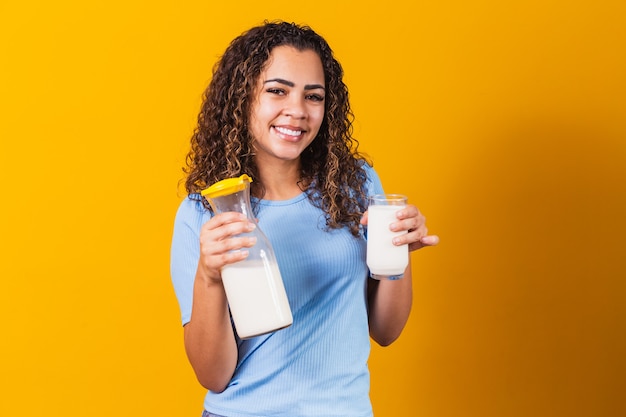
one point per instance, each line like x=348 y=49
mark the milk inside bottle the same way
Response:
x=254 y=287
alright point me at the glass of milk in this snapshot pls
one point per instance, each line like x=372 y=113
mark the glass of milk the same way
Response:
x=384 y=259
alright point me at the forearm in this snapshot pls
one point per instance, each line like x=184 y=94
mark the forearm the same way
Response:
x=390 y=304
x=209 y=338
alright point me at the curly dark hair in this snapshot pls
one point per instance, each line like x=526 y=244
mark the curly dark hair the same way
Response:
x=332 y=169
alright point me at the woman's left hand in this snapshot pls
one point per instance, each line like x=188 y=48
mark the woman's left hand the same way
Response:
x=414 y=222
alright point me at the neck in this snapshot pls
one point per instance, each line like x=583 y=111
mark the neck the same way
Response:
x=281 y=181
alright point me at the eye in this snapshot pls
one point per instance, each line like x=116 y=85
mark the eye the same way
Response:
x=315 y=97
x=276 y=90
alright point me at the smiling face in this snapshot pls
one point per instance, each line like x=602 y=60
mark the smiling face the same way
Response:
x=288 y=107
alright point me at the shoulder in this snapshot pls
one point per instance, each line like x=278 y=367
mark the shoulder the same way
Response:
x=374 y=184
x=191 y=212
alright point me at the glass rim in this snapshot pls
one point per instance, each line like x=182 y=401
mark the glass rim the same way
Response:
x=388 y=197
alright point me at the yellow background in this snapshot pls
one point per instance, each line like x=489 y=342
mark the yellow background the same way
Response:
x=504 y=121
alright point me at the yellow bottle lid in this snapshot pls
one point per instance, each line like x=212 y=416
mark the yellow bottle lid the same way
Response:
x=227 y=186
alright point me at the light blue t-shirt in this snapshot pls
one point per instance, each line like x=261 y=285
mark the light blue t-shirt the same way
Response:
x=318 y=365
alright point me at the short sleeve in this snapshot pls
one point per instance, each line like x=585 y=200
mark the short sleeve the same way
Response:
x=185 y=252
x=374 y=185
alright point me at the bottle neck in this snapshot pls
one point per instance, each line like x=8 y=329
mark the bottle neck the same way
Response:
x=237 y=202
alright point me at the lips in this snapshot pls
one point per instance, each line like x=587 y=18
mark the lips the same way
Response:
x=288 y=132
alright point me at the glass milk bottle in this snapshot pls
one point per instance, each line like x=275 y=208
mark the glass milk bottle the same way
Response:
x=254 y=287
x=384 y=259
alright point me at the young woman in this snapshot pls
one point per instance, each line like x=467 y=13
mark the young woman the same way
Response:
x=277 y=109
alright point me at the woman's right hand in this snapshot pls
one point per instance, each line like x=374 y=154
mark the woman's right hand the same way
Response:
x=209 y=336
x=220 y=247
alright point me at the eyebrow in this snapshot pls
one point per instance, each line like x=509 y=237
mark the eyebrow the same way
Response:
x=291 y=84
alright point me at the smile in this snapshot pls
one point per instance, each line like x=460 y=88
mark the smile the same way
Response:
x=289 y=132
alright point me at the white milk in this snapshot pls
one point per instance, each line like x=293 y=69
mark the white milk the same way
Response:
x=383 y=257
x=257 y=297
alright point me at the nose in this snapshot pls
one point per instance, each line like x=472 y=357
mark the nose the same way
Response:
x=296 y=108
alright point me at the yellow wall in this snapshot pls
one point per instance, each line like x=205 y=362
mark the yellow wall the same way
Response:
x=504 y=121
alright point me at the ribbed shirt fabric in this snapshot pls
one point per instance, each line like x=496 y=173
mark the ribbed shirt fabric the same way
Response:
x=318 y=365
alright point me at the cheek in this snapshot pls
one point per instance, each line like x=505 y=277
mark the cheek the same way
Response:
x=259 y=120
x=267 y=112
x=318 y=119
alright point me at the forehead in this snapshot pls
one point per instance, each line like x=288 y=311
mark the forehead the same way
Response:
x=303 y=65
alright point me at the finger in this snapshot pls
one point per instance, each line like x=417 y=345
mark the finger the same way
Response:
x=238 y=243
x=233 y=257
x=217 y=254
x=431 y=240
x=225 y=227
x=222 y=219
x=364 y=218
x=410 y=238
x=220 y=247
x=212 y=265
x=409 y=219
x=408 y=212
x=411 y=225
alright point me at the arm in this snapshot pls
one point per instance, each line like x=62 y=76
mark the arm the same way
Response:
x=209 y=337
x=389 y=307
x=390 y=301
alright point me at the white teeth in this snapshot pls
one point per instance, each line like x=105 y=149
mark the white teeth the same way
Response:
x=288 y=131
